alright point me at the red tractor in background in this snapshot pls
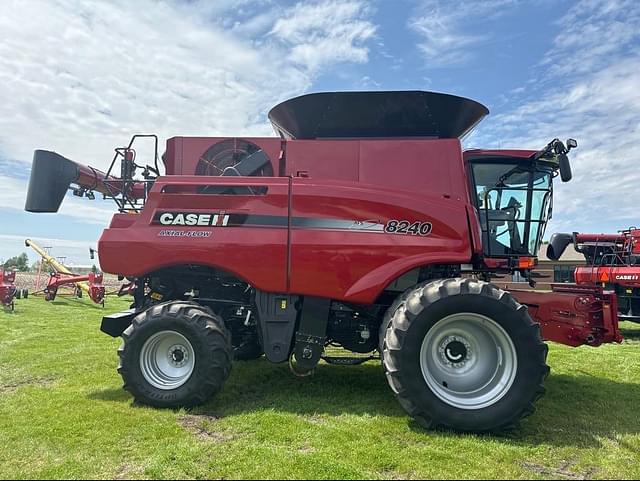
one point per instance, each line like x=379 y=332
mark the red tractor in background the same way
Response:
x=613 y=261
x=8 y=289
x=363 y=225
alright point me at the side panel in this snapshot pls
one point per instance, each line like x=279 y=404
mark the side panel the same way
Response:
x=339 y=247
x=253 y=244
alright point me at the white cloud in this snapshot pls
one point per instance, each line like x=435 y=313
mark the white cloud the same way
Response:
x=321 y=33
x=443 y=27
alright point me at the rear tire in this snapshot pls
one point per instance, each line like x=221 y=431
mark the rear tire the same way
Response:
x=17 y=294
x=634 y=305
x=461 y=354
x=176 y=354
x=25 y=293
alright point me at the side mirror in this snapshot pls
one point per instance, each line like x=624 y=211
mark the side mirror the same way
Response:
x=557 y=245
x=571 y=144
x=565 y=168
x=92 y=253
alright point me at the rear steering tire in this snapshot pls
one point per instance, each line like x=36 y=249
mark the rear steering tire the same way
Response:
x=461 y=354
x=176 y=354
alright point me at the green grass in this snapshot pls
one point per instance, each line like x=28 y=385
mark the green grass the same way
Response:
x=63 y=414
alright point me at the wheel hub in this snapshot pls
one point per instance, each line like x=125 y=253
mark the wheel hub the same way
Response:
x=167 y=360
x=178 y=355
x=468 y=361
x=455 y=351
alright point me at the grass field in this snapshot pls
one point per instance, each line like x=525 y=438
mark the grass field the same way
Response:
x=63 y=414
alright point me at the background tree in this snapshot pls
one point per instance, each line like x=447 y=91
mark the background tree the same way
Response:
x=20 y=263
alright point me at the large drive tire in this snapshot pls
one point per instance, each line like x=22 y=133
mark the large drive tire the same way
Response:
x=17 y=293
x=176 y=354
x=634 y=307
x=462 y=354
x=25 y=293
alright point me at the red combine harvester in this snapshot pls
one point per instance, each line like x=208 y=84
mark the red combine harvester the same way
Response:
x=363 y=225
x=613 y=261
x=61 y=276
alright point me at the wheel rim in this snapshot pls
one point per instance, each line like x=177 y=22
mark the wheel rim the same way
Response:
x=167 y=360
x=468 y=361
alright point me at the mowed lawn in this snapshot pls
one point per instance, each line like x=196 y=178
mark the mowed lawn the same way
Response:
x=63 y=414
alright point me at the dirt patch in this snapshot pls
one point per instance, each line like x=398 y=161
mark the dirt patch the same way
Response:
x=127 y=471
x=316 y=420
x=202 y=426
x=391 y=474
x=306 y=449
x=12 y=387
x=561 y=472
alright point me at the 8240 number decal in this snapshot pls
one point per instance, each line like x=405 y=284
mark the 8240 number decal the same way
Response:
x=408 y=228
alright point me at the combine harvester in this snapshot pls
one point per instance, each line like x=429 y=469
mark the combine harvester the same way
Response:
x=61 y=276
x=363 y=225
x=613 y=261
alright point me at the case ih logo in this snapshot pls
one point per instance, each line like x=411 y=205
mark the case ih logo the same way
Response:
x=627 y=278
x=191 y=219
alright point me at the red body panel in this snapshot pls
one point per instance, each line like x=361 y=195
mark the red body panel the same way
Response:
x=257 y=255
x=350 y=182
x=626 y=276
x=357 y=266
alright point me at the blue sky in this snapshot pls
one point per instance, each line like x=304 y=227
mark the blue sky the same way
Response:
x=80 y=76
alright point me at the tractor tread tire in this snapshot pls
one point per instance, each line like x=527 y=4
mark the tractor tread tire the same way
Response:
x=209 y=338
x=410 y=309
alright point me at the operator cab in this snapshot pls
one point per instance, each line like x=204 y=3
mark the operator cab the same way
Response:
x=513 y=193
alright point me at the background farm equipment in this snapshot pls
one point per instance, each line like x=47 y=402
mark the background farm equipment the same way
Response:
x=91 y=283
x=8 y=289
x=362 y=226
x=613 y=262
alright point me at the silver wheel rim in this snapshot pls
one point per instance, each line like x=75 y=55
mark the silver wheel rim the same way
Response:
x=167 y=360
x=468 y=361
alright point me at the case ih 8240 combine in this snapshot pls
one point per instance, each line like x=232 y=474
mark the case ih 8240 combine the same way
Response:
x=363 y=225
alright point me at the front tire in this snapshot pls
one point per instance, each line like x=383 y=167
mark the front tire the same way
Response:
x=176 y=354
x=461 y=354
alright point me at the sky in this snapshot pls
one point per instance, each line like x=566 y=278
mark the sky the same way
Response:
x=81 y=76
